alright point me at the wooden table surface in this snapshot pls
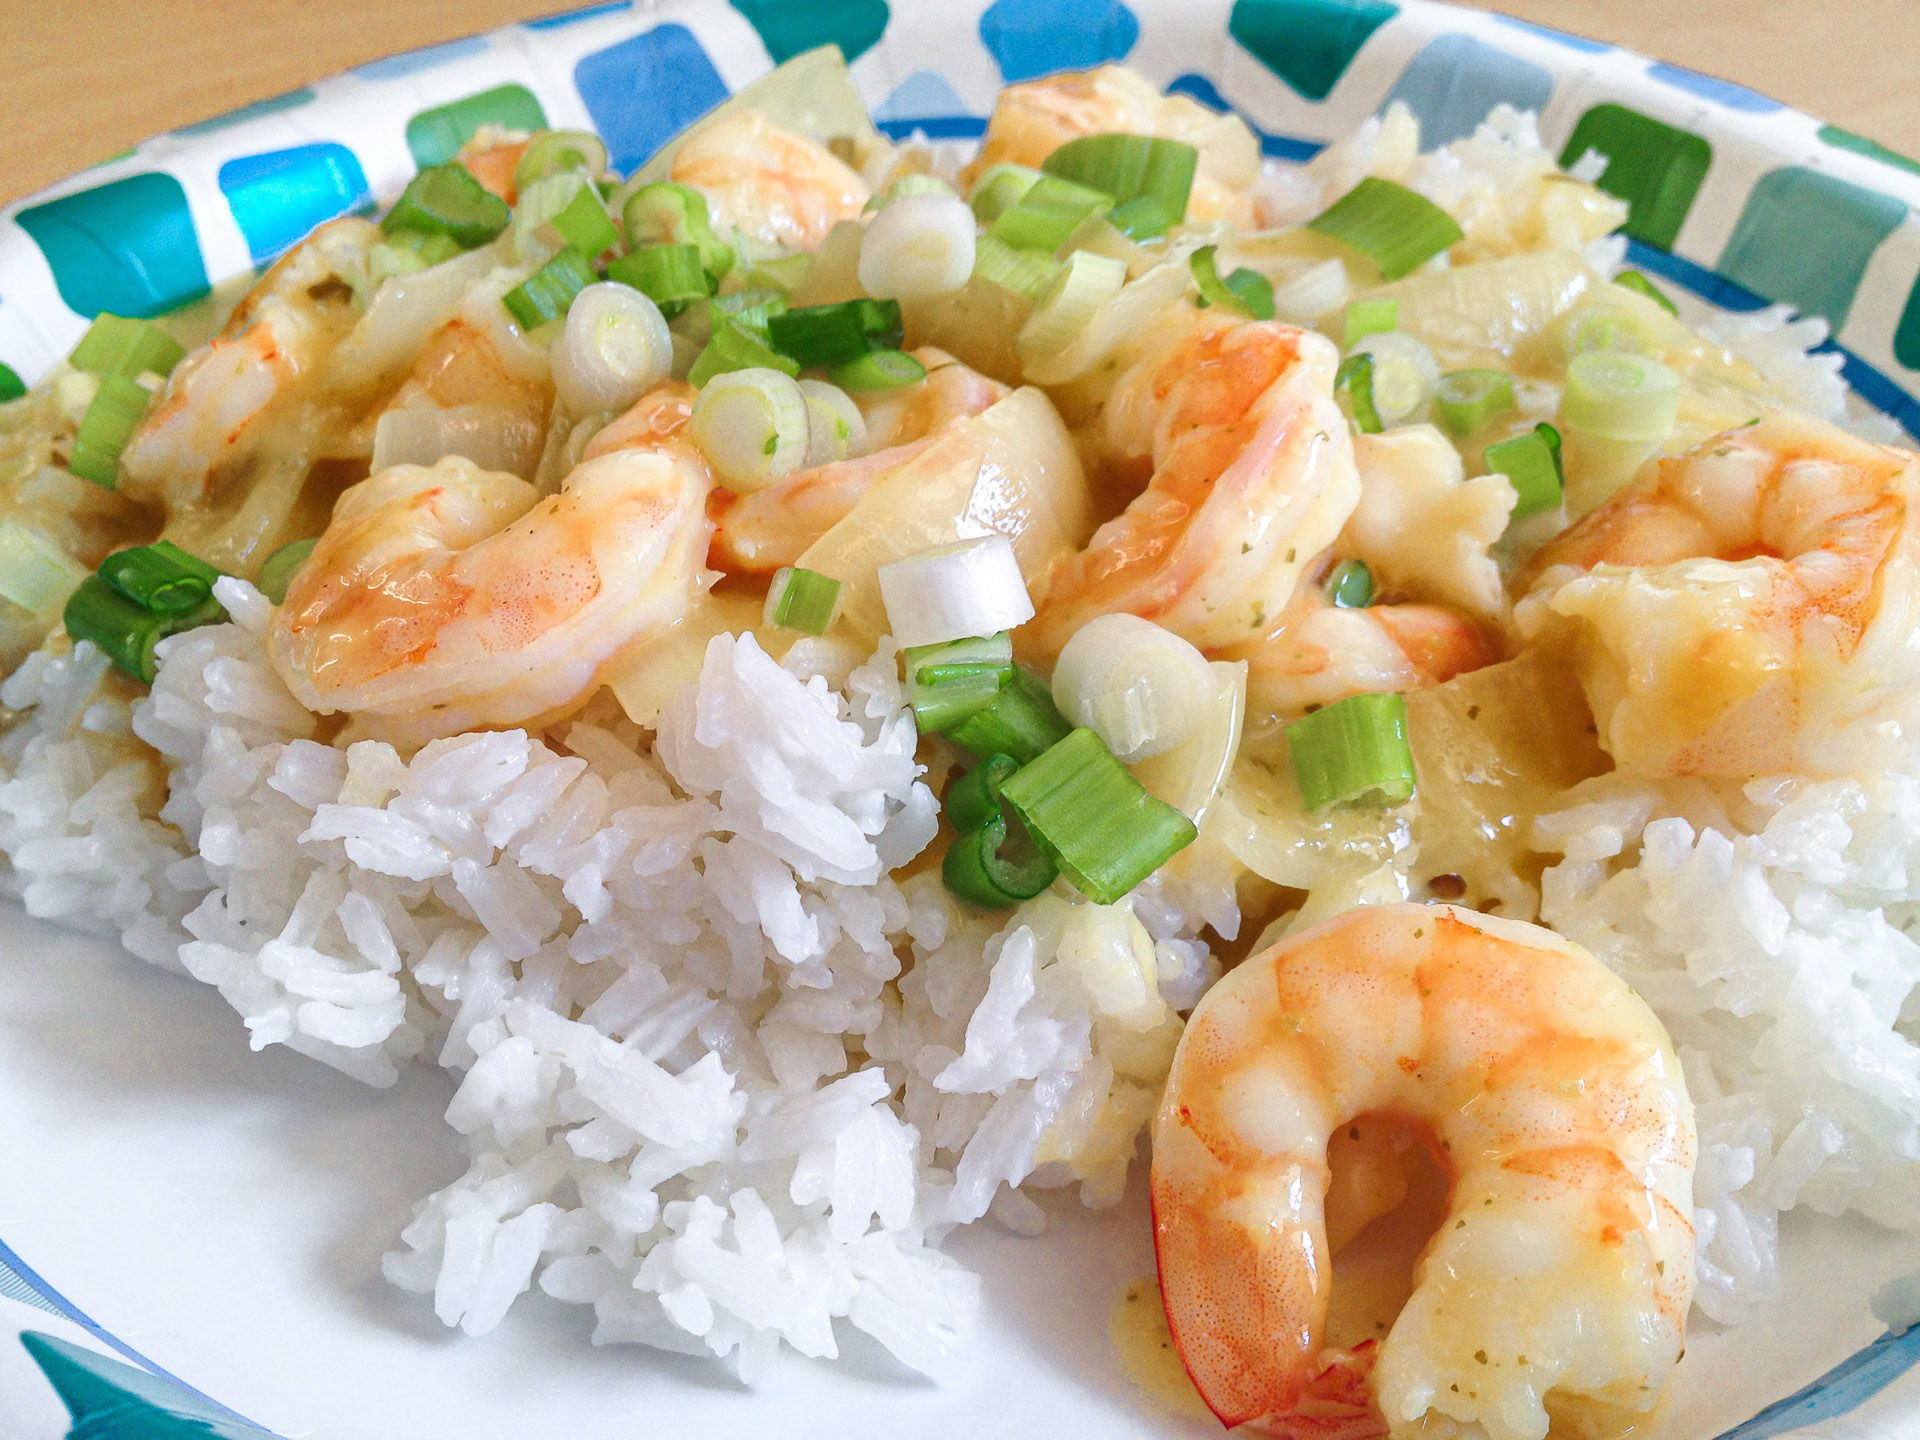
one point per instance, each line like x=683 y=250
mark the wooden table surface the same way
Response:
x=83 y=79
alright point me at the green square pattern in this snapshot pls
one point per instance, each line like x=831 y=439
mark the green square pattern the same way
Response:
x=1653 y=166
x=127 y=247
x=1307 y=43
x=1805 y=238
x=435 y=136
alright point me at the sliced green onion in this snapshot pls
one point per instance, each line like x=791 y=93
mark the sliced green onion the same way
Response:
x=751 y=310
x=1050 y=211
x=1141 y=688
x=1369 y=317
x=1350 y=586
x=919 y=245
x=1389 y=224
x=751 y=424
x=550 y=152
x=836 y=429
x=1085 y=283
x=1096 y=821
x=953 y=591
x=828 y=334
x=783 y=272
x=408 y=253
x=998 y=190
x=906 y=185
x=1620 y=397
x=1140 y=218
x=125 y=631
x=1130 y=167
x=582 y=223
x=1353 y=753
x=534 y=240
x=1594 y=328
x=117 y=346
x=975 y=867
x=1404 y=377
x=1468 y=399
x=1027 y=273
x=669 y=275
x=160 y=576
x=614 y=348
x=12 y=387
x=732 y=346
x=277 y=573
x=801 y=600
x=546 y=294
x=447 y=200
x=1245 y=291
x=663 y=213
x=1531 y=463
x=878 y=370
x=1021 y=721
x=35 y=574
x=1353 y=382
x=947 y=683
x=1633 y=280
x=117 y=407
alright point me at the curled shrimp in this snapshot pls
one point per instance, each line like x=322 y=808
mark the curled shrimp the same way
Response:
x=1252 y=477
x=775 y=184
x=1543 y=1087
x=759 y=532
x=1747 y=608
x=446 y=598
x=1030 y=121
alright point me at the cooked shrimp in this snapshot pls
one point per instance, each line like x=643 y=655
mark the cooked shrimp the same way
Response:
x=1252 y=478
x=1747 y=608
x=1032 y=120
x=761 y=531
x=772 y=182
x=446 y=598
x=1543 y=1086
x=228 y=445
x=491 y=157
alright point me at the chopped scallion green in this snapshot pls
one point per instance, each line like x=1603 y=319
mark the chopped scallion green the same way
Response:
x=127 y=631
x=1095 y=820
x=976 y=866
x=669 y=275
x=732 y=346
x=662 y=213
x=829 y=334
x=1353 y=381
x=1021 y=720
x=1531 y=463
x=1369 y=317
x=12 y=387
x=546 y=294
x=1350 y=586
x=1391 y=225
x=1353 y=752
x=277 y=573
x=447 y=200
x=947 y=683
x=1027 y=273
x=878 y=370
x=117 y=408
x=1633 y=280
x=1130 y=167
x=1050 y=211
x=1140 y=218
x=551 y=152
x=1468 y=399
x=999 y=190
x=582 y=223
x=801 y=600
x=114 y=345
x=160 y=576
x=1246 y=292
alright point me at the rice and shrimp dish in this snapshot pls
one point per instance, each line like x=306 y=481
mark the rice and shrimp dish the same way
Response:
x=840 y=685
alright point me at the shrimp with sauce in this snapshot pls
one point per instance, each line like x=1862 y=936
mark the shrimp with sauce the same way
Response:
x=1032 y=120
x=1252 y=477
x=776 y=185
x=446 y=598
x=1746 y=608
x=1543 y=1087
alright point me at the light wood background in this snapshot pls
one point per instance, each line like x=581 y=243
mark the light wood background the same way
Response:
x=81 y=80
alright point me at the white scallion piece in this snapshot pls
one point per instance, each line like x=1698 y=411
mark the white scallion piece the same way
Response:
x=492 y=438
x=1189 y=777
x=1312 y=294
x=952 y=592
x=836 y=428
x=1405 y=375
x=613 y=348
x=752 y=427
x=1140 y=688
x=918 y=245
x=1087 y=282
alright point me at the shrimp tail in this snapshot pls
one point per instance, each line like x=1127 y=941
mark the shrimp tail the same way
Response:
x=1336 y=1404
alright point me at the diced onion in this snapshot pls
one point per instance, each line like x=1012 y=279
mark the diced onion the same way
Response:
x=614 y=348
x=491 y=438
x=1620 y=397
x=951 y=592
x=1405 y=375
x=1087 y=283
x=1190 y=777
x=35 y=573
x=752 y=426
x=1141 y=688
x=918 y=245
x=1311 y=294
x=836 y=430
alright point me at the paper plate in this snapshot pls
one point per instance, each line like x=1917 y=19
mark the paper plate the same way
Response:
x=209 y=1220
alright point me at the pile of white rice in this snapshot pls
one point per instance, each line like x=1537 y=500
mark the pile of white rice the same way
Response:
x=699 y=1094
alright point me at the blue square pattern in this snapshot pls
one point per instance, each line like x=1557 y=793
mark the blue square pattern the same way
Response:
x=1455 y=80
x=647 y=89
x=1805 y=238
x=127 y=247
x=277 y=197
x=1038 y=37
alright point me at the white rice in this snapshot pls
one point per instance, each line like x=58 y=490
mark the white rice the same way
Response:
x=698 y=1093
